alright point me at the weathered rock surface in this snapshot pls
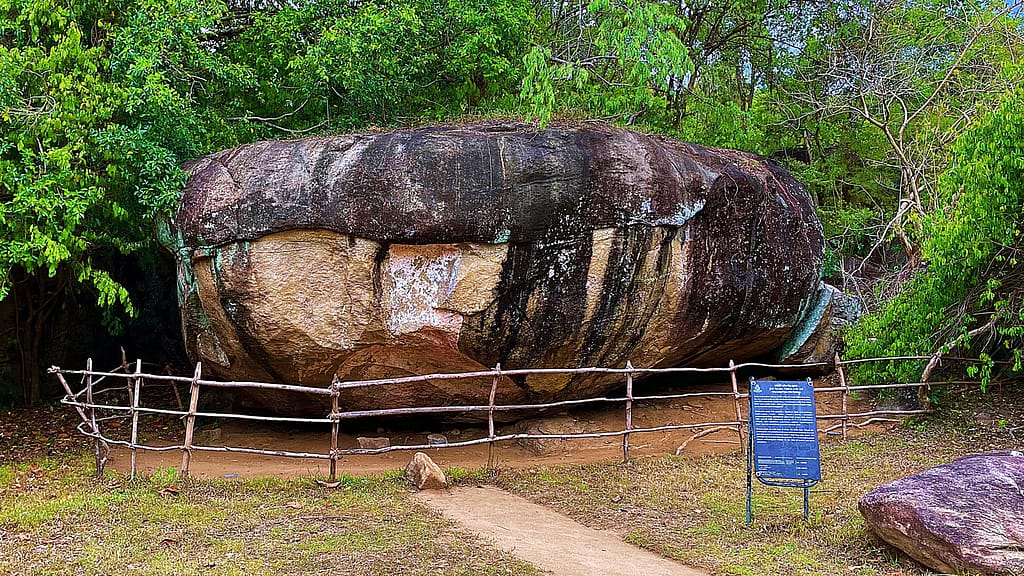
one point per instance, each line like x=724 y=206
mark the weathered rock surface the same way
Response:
x=555 y=425
x=455 y=248
x=814 y=338
x=965 y=516
x=424 y=473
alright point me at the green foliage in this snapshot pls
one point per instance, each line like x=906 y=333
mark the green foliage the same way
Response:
x=971 y=296
x=612 y=63
x=101 y=101
x=895 y=84
x=643 y=36
x=384 y=62
x=848 y=230
x=74 y=175
x=538 y=84
x=176 y=88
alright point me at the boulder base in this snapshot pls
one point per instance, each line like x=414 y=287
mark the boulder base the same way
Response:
x=373 y=442
x=965 y=516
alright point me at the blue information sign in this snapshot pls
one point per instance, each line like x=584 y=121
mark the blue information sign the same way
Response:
x=782 y=448
x=784 y=430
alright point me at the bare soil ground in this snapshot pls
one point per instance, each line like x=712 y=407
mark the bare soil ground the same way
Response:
x=518 y=454
x=30 y=434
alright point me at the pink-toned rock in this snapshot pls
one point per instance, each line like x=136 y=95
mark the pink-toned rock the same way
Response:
x=963 y=517
x=424 y=473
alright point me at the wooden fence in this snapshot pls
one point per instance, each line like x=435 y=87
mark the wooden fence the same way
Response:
x=132 y=380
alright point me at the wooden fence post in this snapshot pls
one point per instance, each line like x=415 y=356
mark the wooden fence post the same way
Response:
x=846 y=393
x=190 y=421
x=335 y=392
x=87 y=418
x=629 y=411
x=137 y=381
x=490 y=416
x=101 y=461
x=736 y=405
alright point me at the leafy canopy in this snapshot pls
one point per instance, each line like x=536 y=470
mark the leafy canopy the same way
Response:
x=971 y=295
x=77 y=167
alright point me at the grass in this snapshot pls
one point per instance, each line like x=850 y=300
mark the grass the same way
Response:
x=55 y=518
x=692 y=509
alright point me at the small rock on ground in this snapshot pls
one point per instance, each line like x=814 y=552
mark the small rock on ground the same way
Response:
x=207 y=436
x=424 y=473
x=373 y=443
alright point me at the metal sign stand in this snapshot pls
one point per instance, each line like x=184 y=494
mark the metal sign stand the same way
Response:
x=782 y=444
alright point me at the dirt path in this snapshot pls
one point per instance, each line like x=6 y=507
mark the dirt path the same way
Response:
x=546 y=538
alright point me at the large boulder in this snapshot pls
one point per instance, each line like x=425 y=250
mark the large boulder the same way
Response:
x=449 y=249
x=963 y=517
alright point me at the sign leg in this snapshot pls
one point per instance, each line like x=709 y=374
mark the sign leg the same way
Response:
x=750 y=480
x=807 y=503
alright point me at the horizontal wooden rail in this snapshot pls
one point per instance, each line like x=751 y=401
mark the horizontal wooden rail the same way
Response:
x=90 y=426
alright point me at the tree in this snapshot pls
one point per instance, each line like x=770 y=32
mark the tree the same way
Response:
x=341 y=65
x=94 y=131
x=735 y=47
x=971 y=295
x=916 y=73
x=699 y=70
x=606 y=58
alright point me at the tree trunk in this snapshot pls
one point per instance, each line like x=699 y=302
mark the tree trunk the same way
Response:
x=36 y=296
x=33 y=378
